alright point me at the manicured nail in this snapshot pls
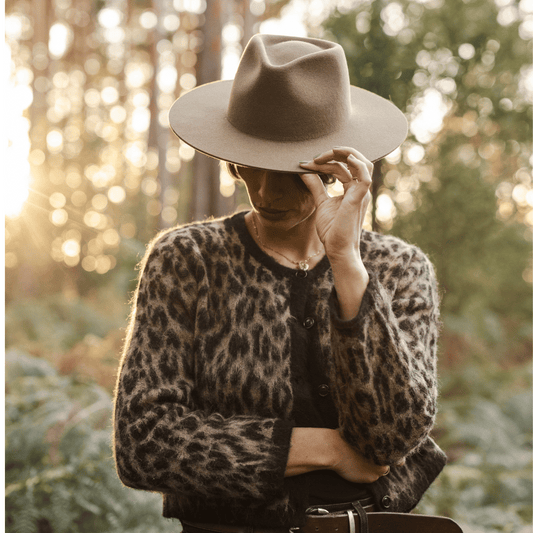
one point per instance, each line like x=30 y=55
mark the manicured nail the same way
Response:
x=305 y=162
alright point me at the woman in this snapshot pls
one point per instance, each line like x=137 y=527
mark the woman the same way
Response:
x=280 y=363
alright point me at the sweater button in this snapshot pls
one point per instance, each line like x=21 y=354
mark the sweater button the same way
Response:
x=309 y=322
x=301 y=273
x=386 y=501
x=323 y=390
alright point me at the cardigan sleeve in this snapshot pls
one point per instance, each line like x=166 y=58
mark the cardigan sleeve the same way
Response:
x=384 y=360
x=163 y=440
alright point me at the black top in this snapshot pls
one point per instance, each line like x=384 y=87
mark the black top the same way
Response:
x=313 y=405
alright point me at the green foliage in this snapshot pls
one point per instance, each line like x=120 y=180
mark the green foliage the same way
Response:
x=457 y=203
x=479 y=260
x=56 y=323
x=60 y=475
x=485 y=425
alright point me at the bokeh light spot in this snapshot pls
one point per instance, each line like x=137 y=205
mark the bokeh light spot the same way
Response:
x=116 y=194
x=109 y=17
x=92 y=219
x=59 y=217
x=169 y=214
x=88 y=263
x=149 y=186
x=171 y=22
x=385 y=209
x=99 y=202
x=109 y=95
x=54 y=141
x=118 y=114
x=71 y=248
x=61 y=36
x=148 y=20
x=186 y=152
x=187 y=81
x=111 y=237
x=78 y=198
x=466 y=51
x=57 y=200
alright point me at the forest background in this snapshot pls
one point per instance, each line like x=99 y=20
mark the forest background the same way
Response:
x=94 y=173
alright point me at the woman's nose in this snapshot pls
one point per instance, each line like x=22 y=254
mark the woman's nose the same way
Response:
x=270 y=186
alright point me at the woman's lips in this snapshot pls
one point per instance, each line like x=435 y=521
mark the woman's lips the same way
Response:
x=271 y=214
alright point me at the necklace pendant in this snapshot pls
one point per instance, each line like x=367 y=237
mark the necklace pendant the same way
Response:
x=303 y=265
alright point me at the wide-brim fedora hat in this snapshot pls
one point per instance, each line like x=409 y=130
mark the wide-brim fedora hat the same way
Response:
x=290 y=100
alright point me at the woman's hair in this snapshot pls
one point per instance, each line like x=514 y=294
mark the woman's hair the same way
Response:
x=233 y=170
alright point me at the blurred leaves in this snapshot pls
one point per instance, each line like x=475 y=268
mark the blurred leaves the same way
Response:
x=55 y=323
x=460 y=186
x=60 y=474
x=485 y=425
x=80 y=337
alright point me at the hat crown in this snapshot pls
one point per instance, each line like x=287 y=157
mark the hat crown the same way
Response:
x=290 y=89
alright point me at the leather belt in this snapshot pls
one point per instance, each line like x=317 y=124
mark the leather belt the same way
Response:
x=377 y=523
x=344 y=520
x=332 y=508
x=333 y=518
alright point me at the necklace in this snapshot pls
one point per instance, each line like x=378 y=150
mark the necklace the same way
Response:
x=302 y=265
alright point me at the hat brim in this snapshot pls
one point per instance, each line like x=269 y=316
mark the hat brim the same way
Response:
x=375 y=128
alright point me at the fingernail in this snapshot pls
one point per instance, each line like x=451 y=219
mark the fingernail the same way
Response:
x=305 y=162
x=318 y=155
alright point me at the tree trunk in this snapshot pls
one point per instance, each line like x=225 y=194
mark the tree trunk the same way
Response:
x=40 y=35
x=248 y=24
x=158 y=136
x=206 y=199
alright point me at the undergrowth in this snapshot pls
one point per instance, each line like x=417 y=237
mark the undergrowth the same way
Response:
x=61 y=363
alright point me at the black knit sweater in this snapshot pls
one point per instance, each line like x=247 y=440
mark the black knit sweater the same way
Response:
x=208 y=390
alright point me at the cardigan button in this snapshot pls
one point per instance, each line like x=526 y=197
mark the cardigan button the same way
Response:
x=309 y=322
x=323 y=390
x=301 y=273
x=386 y=501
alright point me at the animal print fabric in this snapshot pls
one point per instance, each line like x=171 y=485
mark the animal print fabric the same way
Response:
x=204 y=394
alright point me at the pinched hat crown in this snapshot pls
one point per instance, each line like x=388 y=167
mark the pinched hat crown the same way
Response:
x=290 y=90
x=290 y=100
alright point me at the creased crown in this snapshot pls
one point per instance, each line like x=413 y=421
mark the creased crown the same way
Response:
x=290 y=90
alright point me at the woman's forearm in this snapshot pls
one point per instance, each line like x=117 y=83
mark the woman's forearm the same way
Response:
x=400 y=320
x=311 y=449
x=350 y=279
x=324 y=449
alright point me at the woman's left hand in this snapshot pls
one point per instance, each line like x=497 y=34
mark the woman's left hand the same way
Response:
x=339 y=219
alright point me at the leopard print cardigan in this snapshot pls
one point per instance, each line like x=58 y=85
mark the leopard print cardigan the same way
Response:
x=204 y=394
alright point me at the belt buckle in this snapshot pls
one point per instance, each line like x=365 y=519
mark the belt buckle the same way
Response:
x=351 y=520
x=316 y=510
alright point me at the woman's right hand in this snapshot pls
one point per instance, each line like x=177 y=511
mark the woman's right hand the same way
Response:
x=324 y=449
x=352 y=466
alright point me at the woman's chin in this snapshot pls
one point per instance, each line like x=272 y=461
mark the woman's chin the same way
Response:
x=282 y=220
